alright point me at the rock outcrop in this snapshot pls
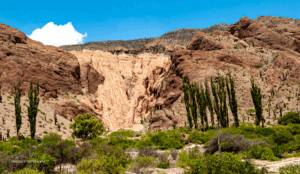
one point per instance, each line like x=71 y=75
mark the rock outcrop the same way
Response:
x=126 y=87
x=56 y=70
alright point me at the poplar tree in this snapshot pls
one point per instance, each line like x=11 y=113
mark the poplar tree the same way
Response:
x=32 y=109
x=232 y=100
x=185 y=86
x=219 y=103
x=202 y=106
x=209 y=103
x=256 y=98
x=17 y=97
x=193 y=90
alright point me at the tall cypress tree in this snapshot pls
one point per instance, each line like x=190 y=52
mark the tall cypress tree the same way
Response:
x=219 y=94
x=256 y=98
x=185 y=86
x=232 y=100
x=32 y=109
x=193 y=89
x=209 y=103
x=202 y=103
x=18 y=106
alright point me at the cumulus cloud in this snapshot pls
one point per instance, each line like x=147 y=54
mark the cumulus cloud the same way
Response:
x=57 y=35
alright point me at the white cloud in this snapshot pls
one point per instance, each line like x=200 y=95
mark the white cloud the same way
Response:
x=57 y=35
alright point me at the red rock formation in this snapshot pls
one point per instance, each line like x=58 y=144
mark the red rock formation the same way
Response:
x=56 y=70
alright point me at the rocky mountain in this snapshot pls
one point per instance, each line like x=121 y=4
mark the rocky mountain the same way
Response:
x=122 y=82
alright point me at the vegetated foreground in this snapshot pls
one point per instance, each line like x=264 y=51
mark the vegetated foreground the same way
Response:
x=250 y=69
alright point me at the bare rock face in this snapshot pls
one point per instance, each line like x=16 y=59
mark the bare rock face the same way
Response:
x=249 y=49
x=164 y=118
x=201 y=41
x=90 y=78
x=56 y=70
x=72 y=109
x=125 y=96
x=257 y=35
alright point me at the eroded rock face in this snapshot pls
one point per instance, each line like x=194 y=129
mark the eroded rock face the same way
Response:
x=90 y=78
x=249 y=49
x=125 y=96
x=56 y=70
x=122 y=85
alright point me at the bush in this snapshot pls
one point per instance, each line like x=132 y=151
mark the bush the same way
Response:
x=227 y=165
x=86 y=127
x=290 y=169
x=143 y=162
x=263 y=153
x=289 y=118
x=121 y=142
x=264 y=131
x=294 y=128
x=61 y=151
x=147 y=151
x=198 y=137
x=283 y=137
x=47 y=165
x=167 y=140
x=229 y=143
x=103 y=164
x=51 y=139
x=123 y=133
x=27 y=171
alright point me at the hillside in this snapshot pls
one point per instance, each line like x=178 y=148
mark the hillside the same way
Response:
x=137 y=85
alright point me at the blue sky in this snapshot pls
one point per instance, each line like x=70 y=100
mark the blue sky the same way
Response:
x=132 y=19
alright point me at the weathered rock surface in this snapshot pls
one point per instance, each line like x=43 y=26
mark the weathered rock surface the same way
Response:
x=126 y=95
x=56 y=70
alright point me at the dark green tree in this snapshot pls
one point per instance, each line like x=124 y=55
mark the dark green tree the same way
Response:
x=17 y=105
x=33 y=107
x=219 y=103
x=256 y=98
x=193 y=89
x=86 y=126
x=202 y=106
x=185 y=86
x=209 y=103
x=232 y=100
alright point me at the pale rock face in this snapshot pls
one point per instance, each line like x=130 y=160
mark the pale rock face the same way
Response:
x=123 y=99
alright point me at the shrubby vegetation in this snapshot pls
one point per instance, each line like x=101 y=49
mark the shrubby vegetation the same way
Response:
x=107 y=155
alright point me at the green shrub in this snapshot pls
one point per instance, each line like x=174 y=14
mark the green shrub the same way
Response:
x=227 y=165
x=51 y=139
x=143 y=162
x=27 y=171
x=282 y=137
x=184 y=160
x=102 y=164
x=106 y=159
x=199 y=137
x=289 y=118
x=264 y=131
x=290 y=169
x=167 y=140
x=123 y=133
x=294 y=128
x=86 y=127
x=263 y=153
x=121 y=142
x=48 y=162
